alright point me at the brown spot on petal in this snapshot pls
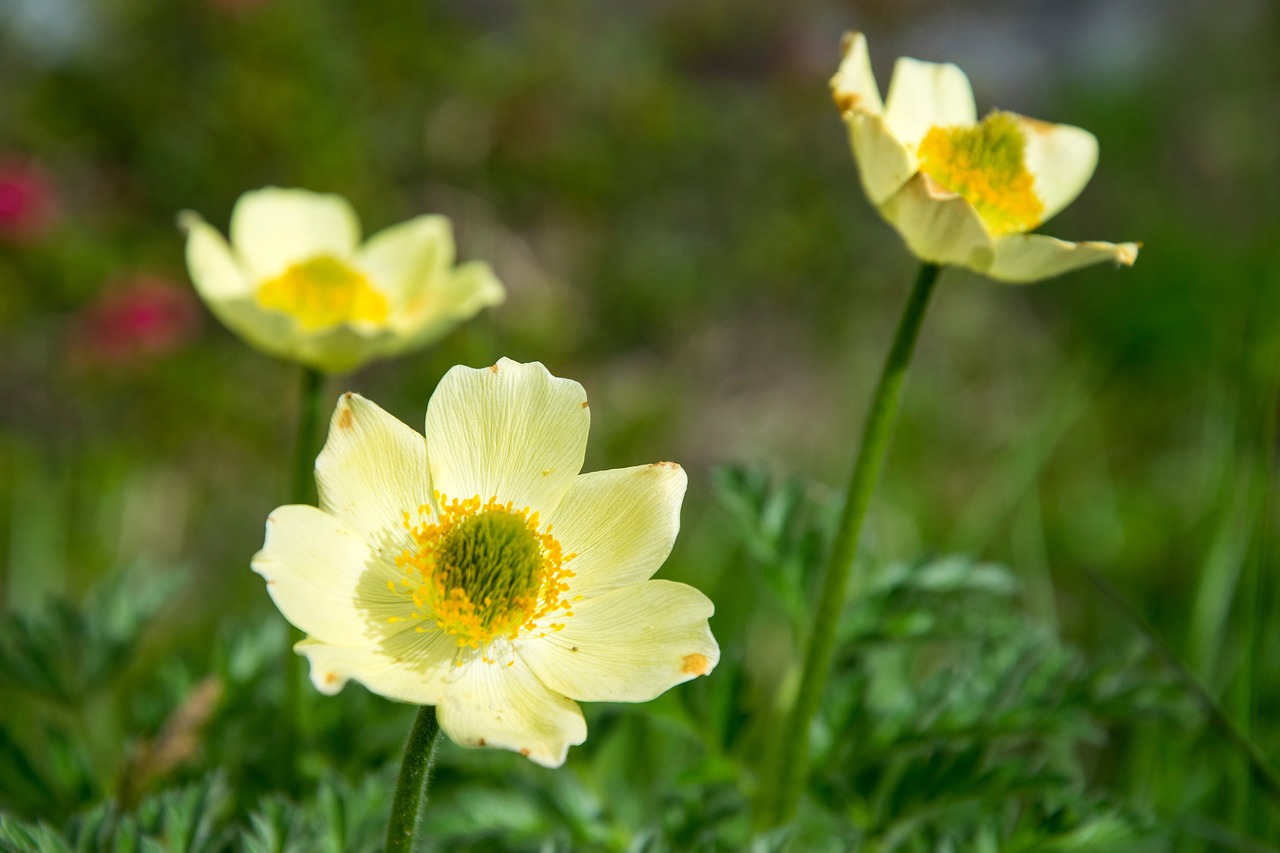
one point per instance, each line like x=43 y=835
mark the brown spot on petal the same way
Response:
x=674 y=466
x=481 y=742
x=696 y=664
x=493 y=368
x=330 y=678
x=524 y=751
x=345 y=420
x=585 y=404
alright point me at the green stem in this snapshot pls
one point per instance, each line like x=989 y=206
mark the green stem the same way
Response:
x=1263 y=773
x=794 y=756
x=310 y=402
x=414 y=780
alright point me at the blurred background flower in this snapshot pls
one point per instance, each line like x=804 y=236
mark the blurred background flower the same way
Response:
x=297 y=282
x=27 y=202
x=134 y=320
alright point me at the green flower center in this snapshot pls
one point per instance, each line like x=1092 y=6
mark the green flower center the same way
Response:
x=986 y=164
x=322 y=292
x=495 y=559
x=480 y=570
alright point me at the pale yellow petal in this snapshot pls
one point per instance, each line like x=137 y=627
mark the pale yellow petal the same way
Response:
x=925 y=94
x=411 y=668
x=213 y=268
x=372 y=470
x=511 y=431
x=222 y=284
x=338 y=349
x=450 y=298
x=937 y=225
x=1024 y=258
x=270 y=332
x=620 y=524
x=884 y=163
x=627 y=646
x=404 y=260
x=1061 y=159
x=273 y=228
x=854 y=85
x=318 y=572
x=506 y=707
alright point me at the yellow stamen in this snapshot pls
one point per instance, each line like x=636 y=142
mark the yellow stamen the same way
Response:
x=986 y=164
x=322 y=292
x=482 y=570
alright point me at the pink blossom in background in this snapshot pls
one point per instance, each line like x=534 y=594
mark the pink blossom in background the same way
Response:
x=136 y=320
x=27 y=200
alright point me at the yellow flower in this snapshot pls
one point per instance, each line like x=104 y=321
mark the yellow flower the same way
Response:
x=478 y=571
x=297 y=283
x=961 y=191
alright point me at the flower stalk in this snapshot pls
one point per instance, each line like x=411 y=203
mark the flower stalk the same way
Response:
x=310 y=406
x=310 y=403
x=844 y=552
x=414 y=780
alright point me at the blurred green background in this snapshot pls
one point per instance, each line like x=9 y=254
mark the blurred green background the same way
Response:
x=667 y=193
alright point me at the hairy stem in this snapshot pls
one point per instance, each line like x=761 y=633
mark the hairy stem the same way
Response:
x=413 y=782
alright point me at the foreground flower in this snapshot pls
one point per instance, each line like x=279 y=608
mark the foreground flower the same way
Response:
x=960 y=191
x=476 y=570
x=296 y=283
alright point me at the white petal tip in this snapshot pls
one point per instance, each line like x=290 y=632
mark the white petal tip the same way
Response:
x=188 y=219
x=853 y=86
x=1127 y=253
x=323 y=678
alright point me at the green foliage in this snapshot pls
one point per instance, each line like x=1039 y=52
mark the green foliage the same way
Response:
x=952 y=722
x=66 y=650
x=75 y=677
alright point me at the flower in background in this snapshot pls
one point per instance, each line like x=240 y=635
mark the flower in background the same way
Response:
x=478 y=571
x=961 y=191
x=141 y=318
x=27 y=201
x=297 y=283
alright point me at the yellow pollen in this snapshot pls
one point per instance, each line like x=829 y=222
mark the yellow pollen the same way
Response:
x=483 y=570
x=986 y=164
x=322 y=292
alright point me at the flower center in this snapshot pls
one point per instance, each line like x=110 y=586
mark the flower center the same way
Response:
x=483 y=570
x=986 y=164
x=321 y=292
